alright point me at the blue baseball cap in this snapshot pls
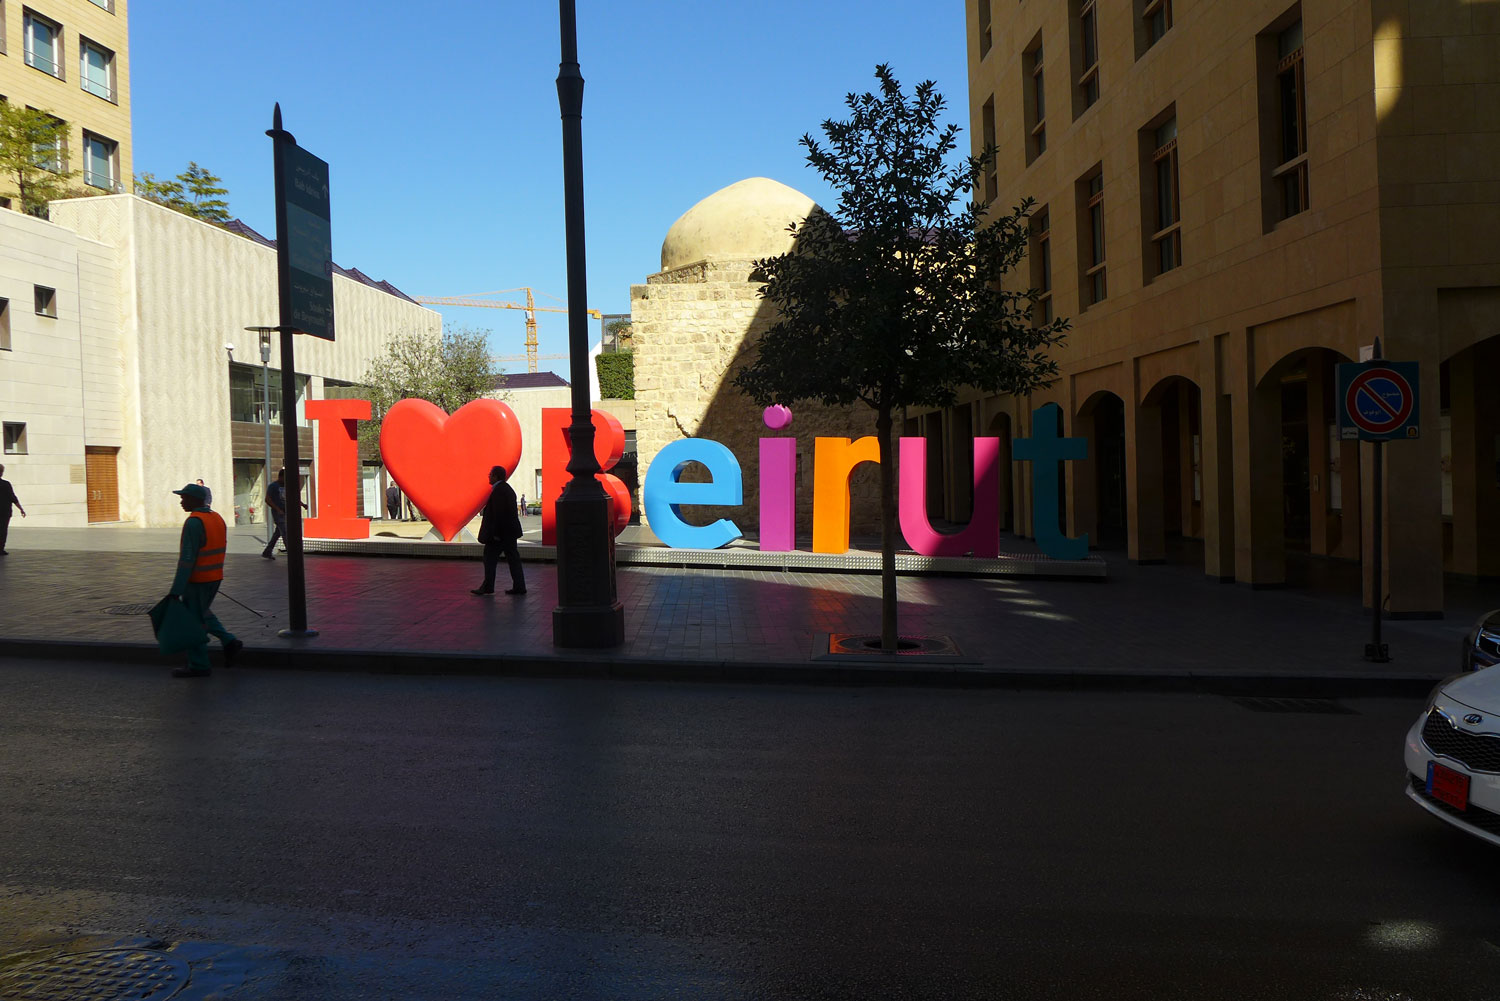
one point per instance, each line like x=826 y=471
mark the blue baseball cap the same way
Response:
x=195 y=491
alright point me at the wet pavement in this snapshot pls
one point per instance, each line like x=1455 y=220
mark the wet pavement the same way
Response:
x=82 y=592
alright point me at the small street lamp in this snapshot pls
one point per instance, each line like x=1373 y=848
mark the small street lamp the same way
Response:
x=265 y=378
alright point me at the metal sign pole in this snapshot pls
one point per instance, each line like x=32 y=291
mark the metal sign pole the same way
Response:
x=296 y=580
x=1377 y=652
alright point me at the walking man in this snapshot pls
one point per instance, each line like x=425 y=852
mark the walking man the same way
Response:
x=208 y=495
x=393 y=502
x=522 y=509
x=276 y=503
x=200 y=570
x=7 y=500
x=499 y=528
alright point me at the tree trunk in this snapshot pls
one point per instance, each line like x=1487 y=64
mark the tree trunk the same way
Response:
x=887 y=531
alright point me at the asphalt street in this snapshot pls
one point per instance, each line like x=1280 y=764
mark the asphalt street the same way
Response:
x=300 y=836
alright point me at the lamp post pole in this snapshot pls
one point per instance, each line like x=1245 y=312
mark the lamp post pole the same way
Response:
x=265 y=378
x=588 y=612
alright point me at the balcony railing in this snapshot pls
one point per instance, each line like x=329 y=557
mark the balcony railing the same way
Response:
x=99 y=89
x=44 y=64
x=99 y=179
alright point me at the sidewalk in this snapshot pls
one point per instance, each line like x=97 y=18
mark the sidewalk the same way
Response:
x=1156 y=626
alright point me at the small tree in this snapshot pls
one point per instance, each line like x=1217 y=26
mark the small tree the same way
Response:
x=31 y=144
x=895 y=300
x=193 y=192
x=449 y=371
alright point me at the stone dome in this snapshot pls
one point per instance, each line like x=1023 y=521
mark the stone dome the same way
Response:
x=744 y=221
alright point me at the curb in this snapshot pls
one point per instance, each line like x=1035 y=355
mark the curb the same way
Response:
x=860 y=671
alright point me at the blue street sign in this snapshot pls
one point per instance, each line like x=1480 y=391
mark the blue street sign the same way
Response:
x=1377 y=400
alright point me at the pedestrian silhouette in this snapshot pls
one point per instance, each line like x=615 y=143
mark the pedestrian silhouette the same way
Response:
x=8 y=500
x=200 y=571
x=276 y=504
x=499 y=530
x=393 y=502
x=208 y=495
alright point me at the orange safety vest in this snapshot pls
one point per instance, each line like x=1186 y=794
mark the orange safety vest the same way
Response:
x=210 y=563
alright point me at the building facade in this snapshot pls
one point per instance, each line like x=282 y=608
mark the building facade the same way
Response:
x=1231 y=199
x=126 y=370
x=71 y=58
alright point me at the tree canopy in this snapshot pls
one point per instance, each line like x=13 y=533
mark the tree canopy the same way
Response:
x=894 y=299
x=449 y=371
x=31 y=158
x=195 y=192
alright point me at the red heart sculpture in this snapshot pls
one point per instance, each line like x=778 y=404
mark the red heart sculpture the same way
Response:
x=443 y=463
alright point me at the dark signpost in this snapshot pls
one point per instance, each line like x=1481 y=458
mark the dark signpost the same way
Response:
x=304 y=284
x=588 y=612
x=1378 y=403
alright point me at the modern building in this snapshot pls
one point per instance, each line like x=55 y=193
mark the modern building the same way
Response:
x=126 y=370
x=1231 y=199
x=71 y=58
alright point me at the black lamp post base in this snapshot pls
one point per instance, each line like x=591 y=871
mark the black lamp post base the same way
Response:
x=589 y=628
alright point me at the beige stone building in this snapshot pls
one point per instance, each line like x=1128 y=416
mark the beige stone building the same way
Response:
x=1232 y=198
x=693 y=324
x=72 y=58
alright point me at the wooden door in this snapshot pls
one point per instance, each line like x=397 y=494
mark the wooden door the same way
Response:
x=103 y=479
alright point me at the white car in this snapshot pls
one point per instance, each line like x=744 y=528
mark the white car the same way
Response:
x=1453 y=754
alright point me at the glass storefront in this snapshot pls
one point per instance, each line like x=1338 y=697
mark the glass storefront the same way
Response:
x=249 y=491
x=247 y=395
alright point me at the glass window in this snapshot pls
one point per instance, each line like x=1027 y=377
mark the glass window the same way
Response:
x=43 y=44
x=46 y=300
x=984 y=28
x=106 y=4
x=991 y=177
x=1094 y=287
x=4 y=324
x=1041 y=266
x=247 y=395
x=1157 y=15
x=1036 y=104
x=15 y=439
x=95 y=66
x=99 y=161
x=1165 y=213
x=1289 y=177
x=1089 y=34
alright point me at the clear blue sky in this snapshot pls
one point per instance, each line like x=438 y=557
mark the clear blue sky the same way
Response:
x=440 y=122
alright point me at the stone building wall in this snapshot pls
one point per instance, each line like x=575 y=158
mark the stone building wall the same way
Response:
x=693 y=327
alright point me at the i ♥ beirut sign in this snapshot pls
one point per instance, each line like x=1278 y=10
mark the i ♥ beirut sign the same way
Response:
x=442 y=462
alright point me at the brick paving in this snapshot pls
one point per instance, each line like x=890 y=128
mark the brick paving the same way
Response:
x=1143 y=622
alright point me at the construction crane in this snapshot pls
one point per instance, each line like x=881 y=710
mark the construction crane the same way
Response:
x=529 y=306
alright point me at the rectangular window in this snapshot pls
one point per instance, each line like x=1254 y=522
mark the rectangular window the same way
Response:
x=43 y=43
x=1091 y=238
x=991 y=177
x=247 y=395
x=99 y=161
x=1153 y=20
x=1041 y=266
x=46 y=301
x=1283 y=102
x=106 y=4
x=1036 y=102
x=54 y=156
x=96 y=69
x=1088 y=40
x=2 y=29
x=4 y=324
x=984 y=28
x=1160 y=199
x=15 y=439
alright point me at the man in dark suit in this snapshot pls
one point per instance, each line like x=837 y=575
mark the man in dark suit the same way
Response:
x=499 y=528
x=8 y=499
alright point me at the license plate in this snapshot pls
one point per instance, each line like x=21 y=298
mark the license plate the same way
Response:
x=1447 y=786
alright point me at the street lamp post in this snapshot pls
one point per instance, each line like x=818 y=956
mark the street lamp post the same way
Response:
x=265 y=378
x=588 y=612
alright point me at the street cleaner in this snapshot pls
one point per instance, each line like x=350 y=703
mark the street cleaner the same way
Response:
x=200 y=570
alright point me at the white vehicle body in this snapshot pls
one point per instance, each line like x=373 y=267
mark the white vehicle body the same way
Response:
x=1453 y=754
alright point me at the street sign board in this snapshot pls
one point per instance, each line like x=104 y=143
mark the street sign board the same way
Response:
x=309 y=238
x=1377 y=400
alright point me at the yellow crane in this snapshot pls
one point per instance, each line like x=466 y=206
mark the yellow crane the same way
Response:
x=529 y=306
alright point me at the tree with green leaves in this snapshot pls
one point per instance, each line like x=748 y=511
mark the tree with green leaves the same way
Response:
x=195 y=192
x=31 y=156
x=449 y=371
x=895 y=299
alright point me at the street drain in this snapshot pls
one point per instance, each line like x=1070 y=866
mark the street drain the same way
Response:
x=116 y=974
x=129 y=609
x=1267 y=704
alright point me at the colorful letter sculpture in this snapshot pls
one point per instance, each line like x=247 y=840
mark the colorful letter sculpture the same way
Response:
x=609 y=447
x=982 y=535
x=778 y=485
x=338 y=469
x=666 y=495
x=443 y=462
x=834 y=460
x=1046 y=450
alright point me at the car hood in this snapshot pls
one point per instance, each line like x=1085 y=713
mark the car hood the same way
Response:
x=1480 y=690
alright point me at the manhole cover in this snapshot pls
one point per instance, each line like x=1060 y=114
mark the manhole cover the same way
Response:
x=116 y=974
x=129 y=609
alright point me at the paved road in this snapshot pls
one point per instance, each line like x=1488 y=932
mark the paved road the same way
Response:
x=342 y=836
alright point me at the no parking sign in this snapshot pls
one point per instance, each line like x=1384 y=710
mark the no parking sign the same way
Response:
x=1377 y=400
